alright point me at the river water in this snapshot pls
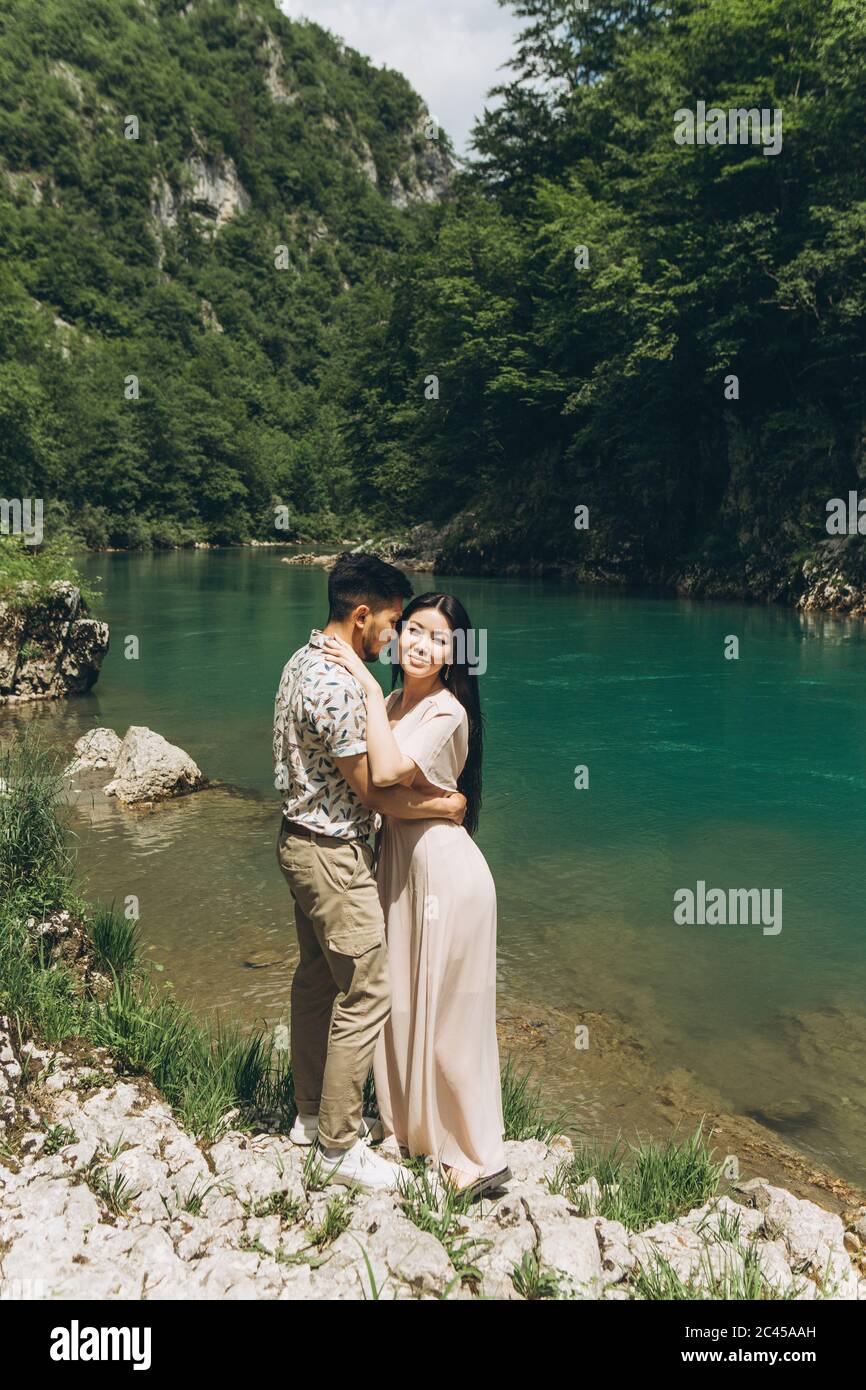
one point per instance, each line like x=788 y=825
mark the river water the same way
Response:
x=746 y=773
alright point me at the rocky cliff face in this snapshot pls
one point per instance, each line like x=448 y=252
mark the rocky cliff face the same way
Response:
x=49 y=646
x=425 y=172
x=211 y=188
x=208 y=183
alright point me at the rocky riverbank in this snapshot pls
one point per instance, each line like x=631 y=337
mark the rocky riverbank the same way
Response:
x=827 y=576
x=415 y=550
x=49 y=645
x=830 y=577
x=103 y=1195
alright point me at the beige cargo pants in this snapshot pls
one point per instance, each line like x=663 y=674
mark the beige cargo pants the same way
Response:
x=341 y=994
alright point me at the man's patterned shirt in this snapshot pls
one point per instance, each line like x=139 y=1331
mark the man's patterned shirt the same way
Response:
x=320 y=714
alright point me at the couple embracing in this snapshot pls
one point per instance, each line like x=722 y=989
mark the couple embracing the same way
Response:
x=397 y=964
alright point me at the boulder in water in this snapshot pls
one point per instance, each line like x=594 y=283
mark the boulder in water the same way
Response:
x=95 y=750
x=149 y=768
x=326 y=561
x=49 y=648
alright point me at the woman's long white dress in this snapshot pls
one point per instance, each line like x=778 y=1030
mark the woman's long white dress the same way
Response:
x=436 y=1064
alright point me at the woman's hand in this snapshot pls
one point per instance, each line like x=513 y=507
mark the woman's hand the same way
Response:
x=336 y=649
x=387 y=764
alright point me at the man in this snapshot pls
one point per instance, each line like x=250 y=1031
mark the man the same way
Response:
x=341 y=995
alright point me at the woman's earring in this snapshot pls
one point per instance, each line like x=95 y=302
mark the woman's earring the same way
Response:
x=446 y=672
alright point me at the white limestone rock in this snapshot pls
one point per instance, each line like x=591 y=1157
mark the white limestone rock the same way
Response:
x=149 y=768
x=58 y=1230
x=95 y=750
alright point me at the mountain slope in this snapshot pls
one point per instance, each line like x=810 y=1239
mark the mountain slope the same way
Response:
x=187 y=192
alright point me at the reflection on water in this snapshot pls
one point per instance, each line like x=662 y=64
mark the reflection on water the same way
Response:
x=748 y=773
x=203 y=869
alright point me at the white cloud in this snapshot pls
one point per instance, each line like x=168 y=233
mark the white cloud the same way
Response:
x=450 y=50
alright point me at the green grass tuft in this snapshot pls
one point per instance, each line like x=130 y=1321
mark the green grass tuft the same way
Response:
x=523 y=1110
x=644 y=1183
x=115 y=940
x=35 y=861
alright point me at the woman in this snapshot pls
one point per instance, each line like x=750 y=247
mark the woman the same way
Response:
x=437 y=1060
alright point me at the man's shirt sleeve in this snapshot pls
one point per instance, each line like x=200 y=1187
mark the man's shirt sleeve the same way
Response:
x=337 y=711
x=279 y=739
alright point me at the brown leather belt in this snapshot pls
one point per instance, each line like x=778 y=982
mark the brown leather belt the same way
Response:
x=293 y=827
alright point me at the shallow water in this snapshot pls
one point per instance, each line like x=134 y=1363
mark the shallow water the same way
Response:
x=743 y=774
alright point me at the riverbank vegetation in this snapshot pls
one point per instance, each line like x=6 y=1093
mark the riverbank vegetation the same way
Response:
x=583 y=292
x=69 y=970
x=28 y=571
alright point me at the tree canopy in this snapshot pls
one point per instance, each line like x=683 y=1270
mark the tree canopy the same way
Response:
x=670 y=334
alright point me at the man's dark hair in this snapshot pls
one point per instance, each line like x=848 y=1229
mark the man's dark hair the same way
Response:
x=363 y=579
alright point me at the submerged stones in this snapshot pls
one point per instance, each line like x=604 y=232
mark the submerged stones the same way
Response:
x=792 y=1113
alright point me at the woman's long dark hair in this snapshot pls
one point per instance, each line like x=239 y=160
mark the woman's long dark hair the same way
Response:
x=462 y=681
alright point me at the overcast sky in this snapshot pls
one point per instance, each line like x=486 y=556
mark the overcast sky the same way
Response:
x=450 y=50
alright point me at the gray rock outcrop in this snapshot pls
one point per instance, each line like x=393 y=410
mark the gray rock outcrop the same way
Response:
x=426 y=171
x=95 y=750
x=834 y=578
x=49 y=646
x=210 y=186
x=149 y=768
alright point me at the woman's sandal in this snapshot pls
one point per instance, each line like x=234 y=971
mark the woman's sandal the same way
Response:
x=489 y=1183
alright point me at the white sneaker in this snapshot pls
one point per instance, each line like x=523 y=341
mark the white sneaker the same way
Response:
x=361 y=1167
x=306 y=1128
x=392 y=1149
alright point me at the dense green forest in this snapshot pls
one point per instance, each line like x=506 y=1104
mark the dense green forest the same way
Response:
x=117 y=262
x=554 y=325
